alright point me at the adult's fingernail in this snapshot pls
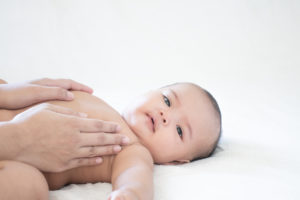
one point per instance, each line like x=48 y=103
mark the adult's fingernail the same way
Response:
x=118 y=128
x=70 y=95
x=117 y=148
x=82 y=114
x=125 y=140
x=99 y=160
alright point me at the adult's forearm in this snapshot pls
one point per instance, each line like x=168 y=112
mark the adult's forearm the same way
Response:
x=9 y=135
x=1 y=93
x=3 y=99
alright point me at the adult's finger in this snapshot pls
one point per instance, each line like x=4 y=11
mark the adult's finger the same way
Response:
x=95 y=125
x=100 y=139
x=80 y=162
x=30 y=94
x=67 y=84
x=45 y=93
x=62 y=110
x=73 y=85
x=94 y=151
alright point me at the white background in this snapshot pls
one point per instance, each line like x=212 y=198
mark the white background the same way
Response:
x=246 y=53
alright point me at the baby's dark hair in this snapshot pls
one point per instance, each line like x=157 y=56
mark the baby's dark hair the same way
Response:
x=219 y=115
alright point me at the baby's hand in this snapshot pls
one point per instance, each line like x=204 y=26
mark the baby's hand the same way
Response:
x=123 y=194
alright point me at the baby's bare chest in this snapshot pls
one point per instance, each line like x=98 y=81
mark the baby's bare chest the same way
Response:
x=92 y=174
x=97 y=109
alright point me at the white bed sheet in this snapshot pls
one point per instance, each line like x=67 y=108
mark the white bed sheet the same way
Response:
x=246 y=53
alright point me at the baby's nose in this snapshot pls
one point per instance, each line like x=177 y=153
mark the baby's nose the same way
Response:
x=164 y=118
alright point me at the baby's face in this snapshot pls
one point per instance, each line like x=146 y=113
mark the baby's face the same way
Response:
x=176 y=123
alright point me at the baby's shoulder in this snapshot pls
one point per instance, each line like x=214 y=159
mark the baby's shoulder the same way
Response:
x=136 y=153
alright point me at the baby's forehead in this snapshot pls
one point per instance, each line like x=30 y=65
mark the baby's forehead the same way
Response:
x=181 y=86
x=193 y=101
x=188 y=90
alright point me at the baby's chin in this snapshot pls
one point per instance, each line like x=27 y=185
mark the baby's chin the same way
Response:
x=158 y=158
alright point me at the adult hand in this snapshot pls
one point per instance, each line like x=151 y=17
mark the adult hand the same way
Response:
x=54 y=138
x=20 y=95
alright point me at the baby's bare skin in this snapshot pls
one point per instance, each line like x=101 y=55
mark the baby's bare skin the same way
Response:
x=94 y=108
x=176 y=123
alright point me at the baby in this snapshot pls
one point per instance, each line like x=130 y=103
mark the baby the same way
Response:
x=171 y=125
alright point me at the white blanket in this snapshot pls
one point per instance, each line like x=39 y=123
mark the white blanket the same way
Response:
x=246 y=53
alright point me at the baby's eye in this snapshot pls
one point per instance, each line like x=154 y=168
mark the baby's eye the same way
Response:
x=179 y=131
x=167 y=101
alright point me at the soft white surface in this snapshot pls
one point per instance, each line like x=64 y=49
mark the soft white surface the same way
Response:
x=245 y=52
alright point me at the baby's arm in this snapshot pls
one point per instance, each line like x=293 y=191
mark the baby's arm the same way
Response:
x=132 y=174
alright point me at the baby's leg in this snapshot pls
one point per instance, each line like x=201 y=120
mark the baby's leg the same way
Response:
x=21 y=181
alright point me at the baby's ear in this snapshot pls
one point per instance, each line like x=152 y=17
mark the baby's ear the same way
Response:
x=177 y=162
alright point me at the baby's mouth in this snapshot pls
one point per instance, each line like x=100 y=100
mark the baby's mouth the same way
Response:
x=152 y=122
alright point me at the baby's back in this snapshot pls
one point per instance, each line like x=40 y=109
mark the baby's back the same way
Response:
x=97 y=109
